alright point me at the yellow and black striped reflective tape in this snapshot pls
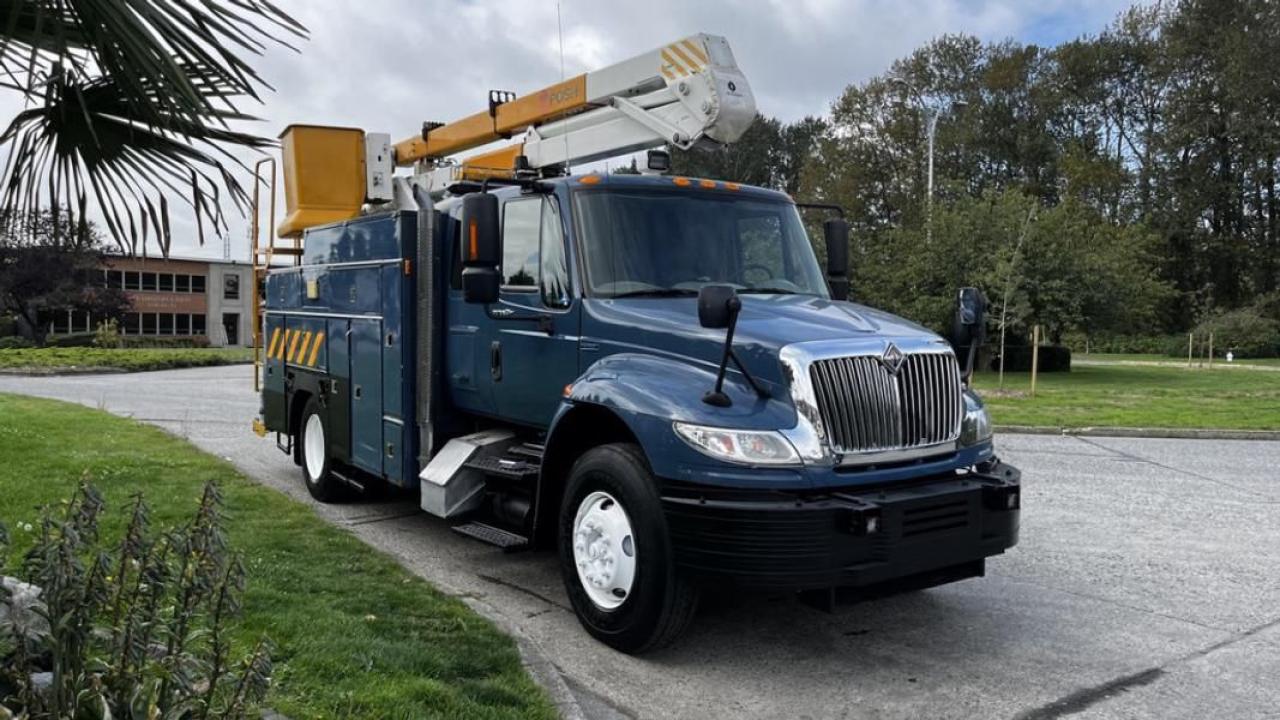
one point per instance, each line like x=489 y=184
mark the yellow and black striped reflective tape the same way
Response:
x=683 y=58
x=301 y=347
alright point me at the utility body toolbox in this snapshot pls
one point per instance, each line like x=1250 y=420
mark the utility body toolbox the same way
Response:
x=339 y=328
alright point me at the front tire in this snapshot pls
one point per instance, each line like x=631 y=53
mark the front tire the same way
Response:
x=313 y=438
x=615 y=553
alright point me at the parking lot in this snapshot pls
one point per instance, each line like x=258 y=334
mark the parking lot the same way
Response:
x=1146 y=584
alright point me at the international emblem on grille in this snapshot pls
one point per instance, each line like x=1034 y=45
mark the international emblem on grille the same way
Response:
x=892 y=359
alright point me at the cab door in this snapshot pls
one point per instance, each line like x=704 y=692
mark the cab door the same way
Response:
x=533 y=351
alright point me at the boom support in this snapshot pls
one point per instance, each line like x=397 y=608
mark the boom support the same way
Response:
x=686 y=93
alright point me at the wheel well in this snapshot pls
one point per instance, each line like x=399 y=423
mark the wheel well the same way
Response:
x=297 y=403
x=582 y=428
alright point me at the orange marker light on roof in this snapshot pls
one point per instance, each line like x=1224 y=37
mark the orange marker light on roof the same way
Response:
x=589 y=180
x=682 y=181
x=732 y=186
x=707 y=184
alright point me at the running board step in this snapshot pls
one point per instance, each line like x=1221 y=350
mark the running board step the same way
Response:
x=505 y=539
x=504 y=467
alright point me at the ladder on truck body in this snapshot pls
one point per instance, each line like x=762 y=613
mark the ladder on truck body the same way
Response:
x=262 y=257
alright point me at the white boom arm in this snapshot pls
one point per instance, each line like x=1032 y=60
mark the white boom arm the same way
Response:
x=682 y=94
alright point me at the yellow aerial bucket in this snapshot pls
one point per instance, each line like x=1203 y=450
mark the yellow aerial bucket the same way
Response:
x=323 y=176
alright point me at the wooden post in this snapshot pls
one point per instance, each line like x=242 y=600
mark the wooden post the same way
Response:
x=1035 y=356
x=1210 y=349
x=1190 y=339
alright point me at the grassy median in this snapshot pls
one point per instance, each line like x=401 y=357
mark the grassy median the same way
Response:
x=1138 y=395
x=57 y=359
x=356 y=635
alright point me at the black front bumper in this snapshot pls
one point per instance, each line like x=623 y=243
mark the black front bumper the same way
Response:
x=843 y=537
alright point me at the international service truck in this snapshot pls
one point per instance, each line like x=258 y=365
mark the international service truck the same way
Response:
x=649 y=375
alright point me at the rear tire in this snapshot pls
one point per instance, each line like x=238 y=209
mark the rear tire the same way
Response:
x=615 y=553
x=313 y=442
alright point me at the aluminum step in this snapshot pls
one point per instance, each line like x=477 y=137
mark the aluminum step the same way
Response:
x=505 y=539
x=511 y=468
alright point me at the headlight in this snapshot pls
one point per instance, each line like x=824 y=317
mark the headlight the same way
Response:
x=977 y=423
x=749 y=447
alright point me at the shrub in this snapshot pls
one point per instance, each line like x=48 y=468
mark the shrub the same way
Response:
x=1245 y=332
x=1121 y=344
x=1052 y=358
x=8 y=326
x=107 y=334
x=80 y=339
x=153 y=342
x=16 y=342
x=140 y=629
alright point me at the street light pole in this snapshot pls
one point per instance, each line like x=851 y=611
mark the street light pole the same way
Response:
x=931 y=110
x=931 y=127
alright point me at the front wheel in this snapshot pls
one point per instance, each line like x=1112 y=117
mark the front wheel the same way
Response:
x=615 y=553
x=316 y=471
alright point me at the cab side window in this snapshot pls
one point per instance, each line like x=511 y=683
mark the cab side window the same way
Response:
x=521 y=223
x=533 y=252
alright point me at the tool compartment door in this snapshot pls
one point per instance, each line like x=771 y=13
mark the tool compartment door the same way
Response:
x=366 y=394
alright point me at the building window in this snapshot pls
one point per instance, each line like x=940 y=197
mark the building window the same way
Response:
x=182 y=283
x=115 y=279
x=230 y=287
x=166 y=324
x=149 y=281
x=197 y=324
x=106 y=278
x=182 y=324
x=197 y=283
x=166 y=282
x=133 y=280
x=148 y=323
x=131 y=324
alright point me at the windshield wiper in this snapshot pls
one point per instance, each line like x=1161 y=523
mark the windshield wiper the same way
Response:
x=657 y=292
x=767 y=291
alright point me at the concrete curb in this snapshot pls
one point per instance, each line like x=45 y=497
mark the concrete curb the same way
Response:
x=540 y=667
x=1138 y=432
x=59 y=371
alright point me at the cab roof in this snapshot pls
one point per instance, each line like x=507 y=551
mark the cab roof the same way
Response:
x=679 y=182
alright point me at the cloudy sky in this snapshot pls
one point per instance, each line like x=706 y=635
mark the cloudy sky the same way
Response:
x=387 y=65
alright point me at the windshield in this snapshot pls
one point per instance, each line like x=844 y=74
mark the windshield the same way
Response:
x=640 y=243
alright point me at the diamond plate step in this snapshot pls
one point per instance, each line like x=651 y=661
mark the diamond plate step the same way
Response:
x=505 y=539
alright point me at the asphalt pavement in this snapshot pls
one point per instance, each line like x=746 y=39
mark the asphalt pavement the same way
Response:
x=1146 y=585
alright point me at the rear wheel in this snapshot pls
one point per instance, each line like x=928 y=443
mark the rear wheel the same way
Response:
x=313 y=436
x=615 y=553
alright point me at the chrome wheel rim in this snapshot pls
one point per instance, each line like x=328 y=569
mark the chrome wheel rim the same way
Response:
x=604 y=550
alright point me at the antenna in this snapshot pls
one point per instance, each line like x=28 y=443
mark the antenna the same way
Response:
x=560 y=32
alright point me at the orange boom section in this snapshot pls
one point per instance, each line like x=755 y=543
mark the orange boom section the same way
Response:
x=508 y=119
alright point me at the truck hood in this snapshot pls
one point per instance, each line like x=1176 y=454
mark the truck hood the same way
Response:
x=669 y=327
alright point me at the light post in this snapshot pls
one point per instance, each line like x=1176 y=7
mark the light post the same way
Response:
x=931 y=111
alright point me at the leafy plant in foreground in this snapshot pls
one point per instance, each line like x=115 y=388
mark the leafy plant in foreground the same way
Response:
x=137 y=629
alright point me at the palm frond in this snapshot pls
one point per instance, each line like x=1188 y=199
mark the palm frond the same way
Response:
x=130 y=101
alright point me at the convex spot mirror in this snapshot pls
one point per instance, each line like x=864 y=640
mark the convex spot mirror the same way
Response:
x=481 y=248
x=717 y=304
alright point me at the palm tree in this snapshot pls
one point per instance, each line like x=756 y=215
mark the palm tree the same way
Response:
x=129 y=103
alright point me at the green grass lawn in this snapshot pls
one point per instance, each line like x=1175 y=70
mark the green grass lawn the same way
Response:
x=1138 y=396
x=356 y=635
x=1107 y=357
x=50 y=359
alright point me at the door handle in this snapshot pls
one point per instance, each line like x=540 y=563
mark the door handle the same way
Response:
x=495 y=360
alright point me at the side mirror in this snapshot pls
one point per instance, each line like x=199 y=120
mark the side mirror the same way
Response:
x=836 y=233
x=970 y=322
x=481 y=248
x=969 y=328
x=717 y=304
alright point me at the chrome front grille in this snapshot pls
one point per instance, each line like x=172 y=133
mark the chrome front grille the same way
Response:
x=866 y=408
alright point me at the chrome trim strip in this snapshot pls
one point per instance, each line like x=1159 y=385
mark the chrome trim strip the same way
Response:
x=307 y=313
